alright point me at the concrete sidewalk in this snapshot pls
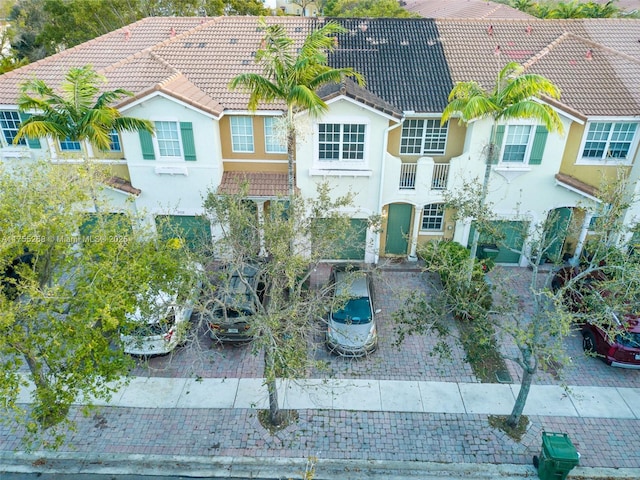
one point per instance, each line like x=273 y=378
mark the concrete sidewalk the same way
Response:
x=375 y=396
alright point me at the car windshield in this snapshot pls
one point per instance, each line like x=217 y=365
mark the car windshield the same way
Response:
x=628 y=339
x=357 y=311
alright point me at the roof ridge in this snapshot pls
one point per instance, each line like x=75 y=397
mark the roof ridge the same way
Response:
x=67 y=51
x=492 y=11
x=545 y=50
x=600 y=46
x=567 y=34
x=150 y=48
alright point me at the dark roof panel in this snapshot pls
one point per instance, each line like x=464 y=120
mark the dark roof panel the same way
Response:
x=418 y=79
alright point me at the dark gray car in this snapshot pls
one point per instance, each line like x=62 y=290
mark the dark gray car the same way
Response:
x=235 y=304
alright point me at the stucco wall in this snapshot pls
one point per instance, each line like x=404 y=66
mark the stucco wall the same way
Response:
x=177 y=194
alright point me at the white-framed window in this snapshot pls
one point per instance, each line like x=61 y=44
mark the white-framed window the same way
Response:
x=610 y=140
x=68 y=145
x=242 y=134
x=432 y=217
x=423 y=136
x=341 y=142
x=168 y=139
x=114 y=144
x=517 y=144
x=10 y=124
x=273 y=141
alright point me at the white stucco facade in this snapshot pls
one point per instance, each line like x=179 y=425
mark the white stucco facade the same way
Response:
x=361 y=177
x=174 y=186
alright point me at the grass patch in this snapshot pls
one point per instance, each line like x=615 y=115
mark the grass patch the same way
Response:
x=482 y=353
x=287 y=417
x=500 y=423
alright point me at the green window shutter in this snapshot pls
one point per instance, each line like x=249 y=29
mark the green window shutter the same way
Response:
x=539 y=142
x=32 y=142
x=188 y=145
x=499 y=135
x=147 y=145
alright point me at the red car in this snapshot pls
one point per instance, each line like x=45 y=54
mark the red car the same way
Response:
x=620 y=345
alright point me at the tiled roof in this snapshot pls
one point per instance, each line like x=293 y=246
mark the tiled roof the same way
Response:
x=351 y=89
x=401 y=59
x=408 y=64
x=601 y=85
x=100 y=52
x=123 y=185
x=463 y=9
x=574 y=183
x=260 y=184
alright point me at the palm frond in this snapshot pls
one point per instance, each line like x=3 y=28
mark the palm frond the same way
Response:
x=304 y=98
x=532 y=109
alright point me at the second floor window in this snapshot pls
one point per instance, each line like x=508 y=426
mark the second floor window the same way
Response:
x=168 y=139
x=68 y=145
x=609 y=140
x=432 y=217
x=242 y=134
x=516 y=144
x=114 y=144
x=341 y=142
x=272 y=138
x=423 y=136
x=173 y=141
x=10 y=123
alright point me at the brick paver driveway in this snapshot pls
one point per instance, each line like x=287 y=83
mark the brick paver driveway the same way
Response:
x=583 y=370
x=410 y=361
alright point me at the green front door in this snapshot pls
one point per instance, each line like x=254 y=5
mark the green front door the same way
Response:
x=556 y=232
x=398 y=228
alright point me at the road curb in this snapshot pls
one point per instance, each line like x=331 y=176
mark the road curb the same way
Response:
x=278 y=468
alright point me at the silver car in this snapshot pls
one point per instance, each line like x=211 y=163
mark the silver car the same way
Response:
x=351 y=329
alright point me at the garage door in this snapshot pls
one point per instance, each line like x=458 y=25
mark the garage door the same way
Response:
x=509 y=236
x=194 y=230
x=352 y=247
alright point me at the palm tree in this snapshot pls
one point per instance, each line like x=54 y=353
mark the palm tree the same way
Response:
x=79 y=112
x=292 y=77
x=512 y=97
x=572 y=9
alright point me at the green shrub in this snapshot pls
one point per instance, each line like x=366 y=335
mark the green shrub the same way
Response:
x=468 y=300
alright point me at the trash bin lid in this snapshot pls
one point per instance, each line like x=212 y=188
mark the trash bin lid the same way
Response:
x=558 y=446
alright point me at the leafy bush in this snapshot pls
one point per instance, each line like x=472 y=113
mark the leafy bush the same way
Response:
x=468 y=299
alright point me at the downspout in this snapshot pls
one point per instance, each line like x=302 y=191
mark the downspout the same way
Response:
x=383 y=163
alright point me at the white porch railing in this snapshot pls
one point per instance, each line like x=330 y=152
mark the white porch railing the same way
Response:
x=408 y=176
x=440 y=176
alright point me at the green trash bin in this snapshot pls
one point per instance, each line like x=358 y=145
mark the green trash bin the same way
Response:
x=557 y=458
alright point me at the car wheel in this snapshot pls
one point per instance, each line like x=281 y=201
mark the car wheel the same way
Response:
x=589 y=342
x=556 y=284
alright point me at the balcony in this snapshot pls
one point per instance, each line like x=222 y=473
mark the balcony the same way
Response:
x=408 y=176
x=440 y=176
x=409 y=173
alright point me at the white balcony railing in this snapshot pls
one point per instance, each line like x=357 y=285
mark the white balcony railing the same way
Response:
x=440 y=176
x=408 y=176
x=409 y=173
